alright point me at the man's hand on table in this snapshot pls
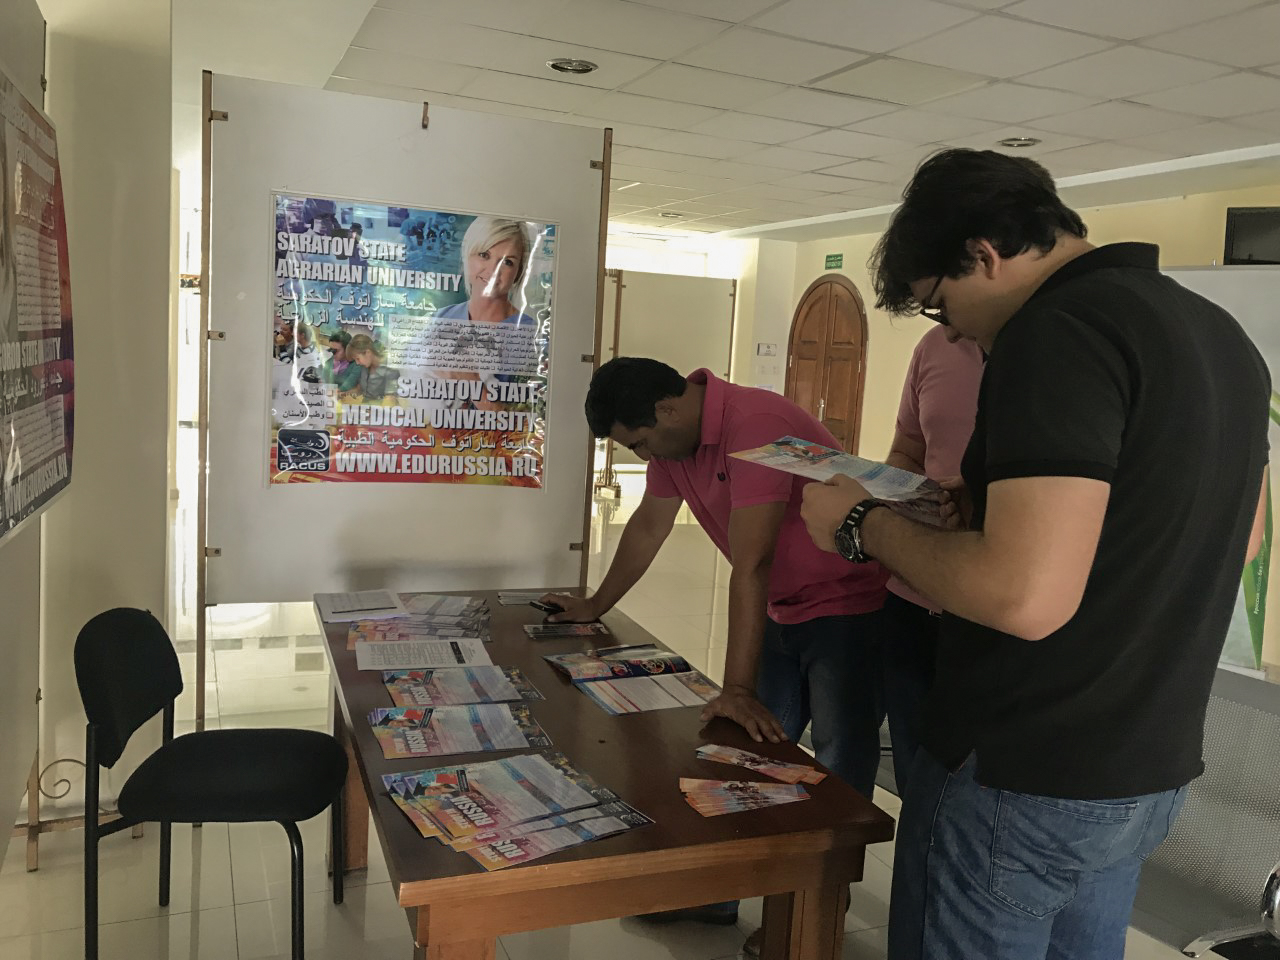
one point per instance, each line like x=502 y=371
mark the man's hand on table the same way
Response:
x=739 y=704
x=573 y=609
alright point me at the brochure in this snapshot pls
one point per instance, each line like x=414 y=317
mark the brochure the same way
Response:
x=412 y=654
x=635 y=679
x=522 y=849
x=359 y=605
x=445 y=731
x=711 y=798
x=778 y=769
x=553 y=631
x=454 y=686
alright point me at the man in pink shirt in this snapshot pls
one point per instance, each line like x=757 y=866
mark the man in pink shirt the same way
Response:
x=804 y=625
x=935 y=422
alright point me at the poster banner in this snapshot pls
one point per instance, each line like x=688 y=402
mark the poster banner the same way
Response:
x=408 y=346
x=36 y=400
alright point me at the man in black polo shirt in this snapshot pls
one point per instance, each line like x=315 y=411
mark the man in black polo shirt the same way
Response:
x=1114 y=473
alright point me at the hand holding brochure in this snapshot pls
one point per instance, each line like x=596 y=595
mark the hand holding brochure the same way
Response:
x=909 y=494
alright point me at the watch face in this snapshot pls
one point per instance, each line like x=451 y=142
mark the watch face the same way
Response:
x=845 y=545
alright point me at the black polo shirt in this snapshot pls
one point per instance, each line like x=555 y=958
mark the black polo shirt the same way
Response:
x=1115 y=372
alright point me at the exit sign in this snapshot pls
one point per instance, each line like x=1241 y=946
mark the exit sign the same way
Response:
x=835 y=261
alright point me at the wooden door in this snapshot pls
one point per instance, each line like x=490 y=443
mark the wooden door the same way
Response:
x=826 y=357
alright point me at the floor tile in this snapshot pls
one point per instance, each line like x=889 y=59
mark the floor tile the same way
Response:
x=368 y=925
x=627 y=938
x=52 y=898
x=206 y=935
x=260 y=866
x=1139 y=946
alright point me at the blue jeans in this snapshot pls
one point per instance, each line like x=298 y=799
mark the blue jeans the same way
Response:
x=910 y=651
x=982 y=872
x=828 y=671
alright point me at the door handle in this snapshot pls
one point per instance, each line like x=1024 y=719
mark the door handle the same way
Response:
x=822 y=409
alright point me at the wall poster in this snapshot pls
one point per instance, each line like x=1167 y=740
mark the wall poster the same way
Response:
x=408 y=346
x=37 y=406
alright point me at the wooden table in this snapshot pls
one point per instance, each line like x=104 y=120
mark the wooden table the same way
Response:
x=800 y=857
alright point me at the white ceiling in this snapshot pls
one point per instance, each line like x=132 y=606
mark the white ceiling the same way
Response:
x=741 y=113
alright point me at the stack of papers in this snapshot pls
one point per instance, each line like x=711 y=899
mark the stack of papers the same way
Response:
x=504 y=812
x=412 y=654
x=519 y=598
x=711 y=798
x=458 y=685
x=909 y=494
x=635 y=679
x=444 y=731
x=778 y=769
x=428 y=616
x=556 y=631
x=359 y=605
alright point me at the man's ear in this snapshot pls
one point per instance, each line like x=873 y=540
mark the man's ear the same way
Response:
x=986 y=259
x=665 y=411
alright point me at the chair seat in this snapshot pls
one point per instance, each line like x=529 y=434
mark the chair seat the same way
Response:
x=236 y=776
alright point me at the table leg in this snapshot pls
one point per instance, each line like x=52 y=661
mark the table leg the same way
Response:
x=805 y=924
x=355 y=803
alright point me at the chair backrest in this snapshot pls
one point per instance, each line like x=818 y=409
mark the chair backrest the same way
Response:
x=127 y=671
x=1226 y=841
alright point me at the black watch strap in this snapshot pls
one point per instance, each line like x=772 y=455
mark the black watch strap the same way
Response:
x=849 y=535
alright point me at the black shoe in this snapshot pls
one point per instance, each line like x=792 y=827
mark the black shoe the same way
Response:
x=711 y=913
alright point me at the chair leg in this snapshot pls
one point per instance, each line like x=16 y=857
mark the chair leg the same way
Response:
x=91 y=845
x=295 y=849
x=337 y=845
x=166 y=847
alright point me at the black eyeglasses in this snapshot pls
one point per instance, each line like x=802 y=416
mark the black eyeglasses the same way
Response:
x=936 y=314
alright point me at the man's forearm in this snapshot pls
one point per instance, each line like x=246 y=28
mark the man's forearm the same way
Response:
x=636 y=550
x=954 y=569
x=748 y=610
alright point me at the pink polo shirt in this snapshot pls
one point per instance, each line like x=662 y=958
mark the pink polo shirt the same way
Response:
x=805 y=582
x=939 y=404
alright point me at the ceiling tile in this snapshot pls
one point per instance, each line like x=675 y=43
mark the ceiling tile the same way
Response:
x=1115 y=120
x=627 y=28
x=744 y=126
x=531 y=92
x=901 y=81
x=1213 y=137
x=1124 y=19
x=789 y=158
x=730 y=10
x=387 y=91
x=1228 y=96
x=1097 y=156
x=652 y=159
x=921 y=127
x=700 y=208
x=653 y=193
x=872 y=170
x=850 y=143
x=991 y=141
x=753 y=53
x=514 y=16
x=1245 y=39
x=881 y=193
x=1010 y=103
x=876 y=26
x=359 y=64
x=1268 y=121
x=391 y=32
x=701 y=146
x=1124 y=72
x=743 y=173
x=630 y=134
x=816 y=181
x=503 y=108
x=1001 y=47
x=767 y=194
x=630 y=108
x=675 y=81
x=621 y=209
x=981 y=4
x=814 y=106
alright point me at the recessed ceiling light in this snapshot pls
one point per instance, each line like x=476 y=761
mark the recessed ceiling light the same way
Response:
x=572 y=65
x=670 y=215
x=1020 y=143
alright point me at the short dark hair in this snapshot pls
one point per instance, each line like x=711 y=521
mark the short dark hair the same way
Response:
x=626 y=390
x=962 y=195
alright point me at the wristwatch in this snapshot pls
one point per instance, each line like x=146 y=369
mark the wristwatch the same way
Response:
x=849 y=533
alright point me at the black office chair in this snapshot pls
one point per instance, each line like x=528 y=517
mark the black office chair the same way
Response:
x=128 y=672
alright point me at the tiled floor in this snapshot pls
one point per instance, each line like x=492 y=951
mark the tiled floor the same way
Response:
x=230 y=883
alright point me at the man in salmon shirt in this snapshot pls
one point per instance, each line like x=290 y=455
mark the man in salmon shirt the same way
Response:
x=804 y=625
x=935 y=421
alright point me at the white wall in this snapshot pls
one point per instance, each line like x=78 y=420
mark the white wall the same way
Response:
x=22 y=54
x=109 y=94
